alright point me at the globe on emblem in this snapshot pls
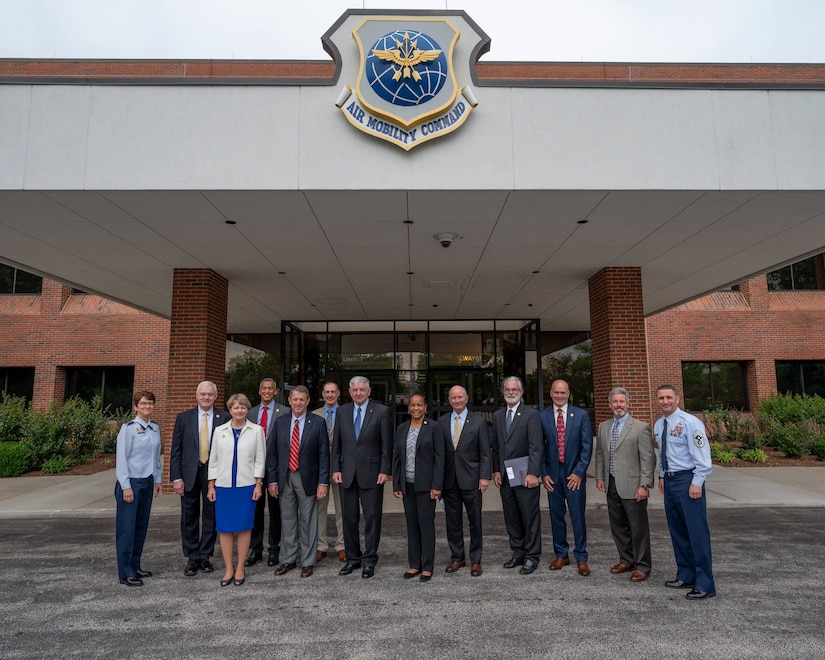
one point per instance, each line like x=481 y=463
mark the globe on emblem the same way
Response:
x=406 y=68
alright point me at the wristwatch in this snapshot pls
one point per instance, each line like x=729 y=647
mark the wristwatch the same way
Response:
x=645 y=486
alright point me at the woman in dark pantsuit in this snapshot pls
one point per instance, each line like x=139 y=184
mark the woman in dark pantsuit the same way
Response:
x=418 y=475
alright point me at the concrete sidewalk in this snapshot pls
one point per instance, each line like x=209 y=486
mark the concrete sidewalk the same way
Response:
x=93 y=496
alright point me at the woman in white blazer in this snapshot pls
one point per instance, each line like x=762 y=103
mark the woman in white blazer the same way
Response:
x=237 y=464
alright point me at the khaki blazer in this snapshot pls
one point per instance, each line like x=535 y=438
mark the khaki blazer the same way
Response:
x=634 y=458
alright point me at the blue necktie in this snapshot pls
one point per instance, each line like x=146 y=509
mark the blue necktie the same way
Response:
x=358 y=423
x=664 y=446
x=509 y=420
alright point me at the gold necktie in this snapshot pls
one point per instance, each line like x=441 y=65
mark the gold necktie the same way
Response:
x=456 y=431
x=204 y=457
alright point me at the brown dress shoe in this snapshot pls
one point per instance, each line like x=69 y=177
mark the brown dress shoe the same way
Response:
x=475 y=570
x=342 y=555
x=620 y=568
x=283 y=569
x=638 y=576
x=453 y=566
x=320 y=555
x=306 y=571
x=584 y=569
x=558 y=562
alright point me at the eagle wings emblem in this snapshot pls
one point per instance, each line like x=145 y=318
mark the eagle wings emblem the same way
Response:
x=407 y=56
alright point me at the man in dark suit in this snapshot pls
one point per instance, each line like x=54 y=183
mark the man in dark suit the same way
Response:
x=265 y=415
x=568 y=438
x=466 y=477
x=361 y=464
x=297 y=463
x=188 y=469
x=517 y=434
x=625 y=463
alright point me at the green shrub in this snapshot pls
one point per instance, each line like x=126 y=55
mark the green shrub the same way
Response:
x=728 y=425
x=793 y=424
x=15 y=459
x=752 y=455
x=75 y=429
x=46 y=434
x=13 y=413
x=55 y=465
x=795 y=439
x=819 y=449
x=721 y=453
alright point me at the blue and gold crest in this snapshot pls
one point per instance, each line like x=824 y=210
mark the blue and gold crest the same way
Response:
x=406 y=92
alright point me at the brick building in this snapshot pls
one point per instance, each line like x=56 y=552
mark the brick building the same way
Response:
x=548 y=202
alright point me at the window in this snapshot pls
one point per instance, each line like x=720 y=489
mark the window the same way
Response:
x=17 y=381
x=800 y=377
x=14 y=280
x=804 y=275
x=114 y=385
x=714 y=385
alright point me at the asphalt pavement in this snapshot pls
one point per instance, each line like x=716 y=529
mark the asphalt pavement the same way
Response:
x=61 y=598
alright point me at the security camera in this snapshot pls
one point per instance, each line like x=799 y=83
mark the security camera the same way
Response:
x=446 y=238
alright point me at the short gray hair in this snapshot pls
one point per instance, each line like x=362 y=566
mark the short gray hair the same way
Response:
x=359 y=379
x=618 y=390
x=515 y=378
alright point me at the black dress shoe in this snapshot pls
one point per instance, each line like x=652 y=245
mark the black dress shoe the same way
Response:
x=426 y=578
x=143 y=574
x=348 y=568
x=513 y=562
x=137 y=582
x=191 y=568
x=528 y=568
x=253 y=558
x=696 y=594
x=409 y=575
x=368 y=572
x=206 y=566
x=678 y=584
x=272 y=561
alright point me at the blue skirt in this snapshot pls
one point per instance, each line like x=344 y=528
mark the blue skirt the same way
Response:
x=234 y=508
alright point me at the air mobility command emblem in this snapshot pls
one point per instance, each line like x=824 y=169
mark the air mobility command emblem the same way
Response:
x=406 y=92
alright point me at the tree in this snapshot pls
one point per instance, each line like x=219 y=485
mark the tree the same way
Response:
x=246 y=371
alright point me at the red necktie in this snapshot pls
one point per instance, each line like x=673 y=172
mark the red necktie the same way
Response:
x=294 y=447
x=560 y=435
x=264 y=418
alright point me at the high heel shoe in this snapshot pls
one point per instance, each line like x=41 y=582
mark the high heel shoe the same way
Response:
x=239 y=582
x=227 y=581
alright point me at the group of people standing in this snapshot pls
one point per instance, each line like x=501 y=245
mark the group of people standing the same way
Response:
x=228 y=466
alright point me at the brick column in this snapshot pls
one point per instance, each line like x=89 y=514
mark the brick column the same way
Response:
x=617 y=331
x=197 y=340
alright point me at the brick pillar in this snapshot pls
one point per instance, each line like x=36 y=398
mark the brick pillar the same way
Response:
x=197 y=340
x=617 y=331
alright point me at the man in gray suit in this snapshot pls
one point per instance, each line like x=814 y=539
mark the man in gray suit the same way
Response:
x=518 y=437
x=264 y=414
x=328 y=411
x=466 y=477
x=625 y=463
x=361 y=465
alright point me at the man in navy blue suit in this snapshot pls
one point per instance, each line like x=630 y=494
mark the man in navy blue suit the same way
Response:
x=297 y=465
x=188 y=468
x=568 y=445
